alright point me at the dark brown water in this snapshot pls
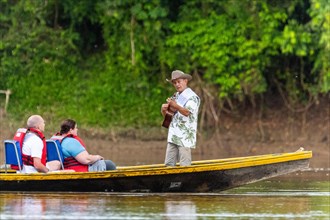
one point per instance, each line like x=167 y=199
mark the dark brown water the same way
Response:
x=299 y=196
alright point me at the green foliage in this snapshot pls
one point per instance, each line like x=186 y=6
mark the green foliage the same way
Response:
x=229 y=46
x=104 y=63
x=320 y=24
x=29 y=43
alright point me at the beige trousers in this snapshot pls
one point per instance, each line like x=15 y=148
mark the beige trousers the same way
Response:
x=175 y=153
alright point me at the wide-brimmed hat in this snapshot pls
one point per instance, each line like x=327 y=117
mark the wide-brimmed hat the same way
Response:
x=178 y=74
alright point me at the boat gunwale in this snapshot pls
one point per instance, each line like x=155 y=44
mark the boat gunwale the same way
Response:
x=147 y=170
x=225 y=160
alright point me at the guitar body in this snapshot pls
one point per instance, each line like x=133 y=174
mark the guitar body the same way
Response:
x=169 y=114
x=167 y=120
x=168 y=117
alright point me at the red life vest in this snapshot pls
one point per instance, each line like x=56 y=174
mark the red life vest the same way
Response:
x=70 y=163
x=27 y=159
x=19 y=136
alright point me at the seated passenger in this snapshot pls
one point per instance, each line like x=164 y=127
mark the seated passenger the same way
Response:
x=34 y=148
x=76 y=157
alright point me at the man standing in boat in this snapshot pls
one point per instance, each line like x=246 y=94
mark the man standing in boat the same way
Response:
x=181 y=110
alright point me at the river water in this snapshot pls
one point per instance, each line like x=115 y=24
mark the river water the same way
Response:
x=304 y=195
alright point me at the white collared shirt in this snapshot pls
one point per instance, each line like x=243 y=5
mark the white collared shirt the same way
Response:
x=32 y=146
x=183 y=129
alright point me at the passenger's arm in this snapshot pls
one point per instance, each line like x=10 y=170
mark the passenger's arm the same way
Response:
x=85 y=158
x=39 y=166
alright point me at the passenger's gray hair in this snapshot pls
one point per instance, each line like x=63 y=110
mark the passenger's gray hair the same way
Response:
x=34 y=121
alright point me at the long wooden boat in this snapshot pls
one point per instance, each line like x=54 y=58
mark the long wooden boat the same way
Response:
x=201 y=176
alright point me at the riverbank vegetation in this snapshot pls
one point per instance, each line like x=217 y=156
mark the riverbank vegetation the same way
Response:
x=104 y=63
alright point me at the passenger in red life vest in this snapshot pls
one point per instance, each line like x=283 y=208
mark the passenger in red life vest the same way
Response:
x=76 y=157
x=34 y=148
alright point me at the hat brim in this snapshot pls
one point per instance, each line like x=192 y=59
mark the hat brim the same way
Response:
x=185 y=76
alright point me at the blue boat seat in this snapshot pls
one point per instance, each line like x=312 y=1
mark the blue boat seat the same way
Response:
x=54 y=151
x=13 y=154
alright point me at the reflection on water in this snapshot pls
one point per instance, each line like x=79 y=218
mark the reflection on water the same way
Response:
x=274 y=199
x=180 y=209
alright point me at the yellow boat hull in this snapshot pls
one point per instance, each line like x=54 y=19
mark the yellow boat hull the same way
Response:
x=201 y=176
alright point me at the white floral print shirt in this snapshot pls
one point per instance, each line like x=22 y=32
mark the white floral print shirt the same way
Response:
x=183 y=130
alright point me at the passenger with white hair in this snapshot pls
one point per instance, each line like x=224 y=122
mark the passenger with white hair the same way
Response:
x=34 y=148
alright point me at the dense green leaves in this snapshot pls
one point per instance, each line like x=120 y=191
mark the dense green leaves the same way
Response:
x=104 y=62
x=320 y=25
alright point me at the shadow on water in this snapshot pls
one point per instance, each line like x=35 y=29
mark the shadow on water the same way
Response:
x=293 y=197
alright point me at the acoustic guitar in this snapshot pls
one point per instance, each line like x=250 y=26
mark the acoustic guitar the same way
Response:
x=169 y=115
